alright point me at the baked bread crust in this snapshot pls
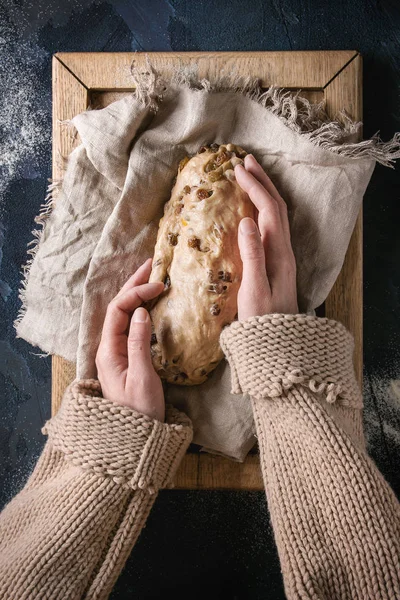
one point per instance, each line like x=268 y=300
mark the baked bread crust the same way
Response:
x=197 y=257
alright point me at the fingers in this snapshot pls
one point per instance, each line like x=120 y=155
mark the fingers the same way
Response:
x=119 y=310
x=269 y=220
x=142 y=380
x=139 y=277
x=269 y=283
x=139 y=356
x=253 y=167
x=260 y=197
x=255 y=292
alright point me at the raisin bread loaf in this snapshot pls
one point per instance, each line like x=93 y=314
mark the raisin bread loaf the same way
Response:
x=197 y=257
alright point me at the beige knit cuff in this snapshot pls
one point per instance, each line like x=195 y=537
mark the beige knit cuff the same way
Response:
x=270 y=354
x=114 y=441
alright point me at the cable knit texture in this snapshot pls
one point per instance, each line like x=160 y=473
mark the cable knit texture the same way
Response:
x=68 y=533
x=92 y=433
x=336 y=521
x=270 y=354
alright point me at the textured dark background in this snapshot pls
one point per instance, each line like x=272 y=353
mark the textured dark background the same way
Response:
x=196 y=544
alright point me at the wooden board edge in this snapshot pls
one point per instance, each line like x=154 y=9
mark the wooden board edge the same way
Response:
x=344 y=80
x=209 y=472
x=70 y=97
x=58 y=59
x=63 y=372
x=84 y=65
x=355 y=57
x=347 y=292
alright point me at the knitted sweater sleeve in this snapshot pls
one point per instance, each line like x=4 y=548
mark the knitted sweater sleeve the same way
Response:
x=336 y=521
x=68 y=533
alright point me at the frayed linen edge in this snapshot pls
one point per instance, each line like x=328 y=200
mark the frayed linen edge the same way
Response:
x=338 y=135
x=33 y=246
x=41 y=219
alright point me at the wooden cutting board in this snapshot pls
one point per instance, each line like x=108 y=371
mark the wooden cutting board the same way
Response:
x=80 y=79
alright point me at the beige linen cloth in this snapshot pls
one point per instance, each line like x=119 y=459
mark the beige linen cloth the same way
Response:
x=105 y=218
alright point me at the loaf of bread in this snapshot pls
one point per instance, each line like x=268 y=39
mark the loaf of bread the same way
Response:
x=197 y=257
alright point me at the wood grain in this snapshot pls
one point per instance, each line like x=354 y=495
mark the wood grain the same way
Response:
x=63 y=372
x=110 y=71
x=205 y=471
x=70 y=97
x=345 y=300
x=101 y=78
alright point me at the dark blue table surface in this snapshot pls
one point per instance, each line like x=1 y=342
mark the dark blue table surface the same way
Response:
x=196 y=544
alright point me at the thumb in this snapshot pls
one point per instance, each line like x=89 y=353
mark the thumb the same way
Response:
x=139 y=340
x=255 y=292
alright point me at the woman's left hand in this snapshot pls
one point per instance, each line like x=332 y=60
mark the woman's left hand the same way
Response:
x=123 y=360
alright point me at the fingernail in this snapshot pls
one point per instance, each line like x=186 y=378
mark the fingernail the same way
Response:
x=140 y=315
x=248 y=226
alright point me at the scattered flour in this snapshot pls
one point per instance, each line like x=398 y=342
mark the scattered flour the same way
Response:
x=382 y=411
x=25 y=115
x=5 y=289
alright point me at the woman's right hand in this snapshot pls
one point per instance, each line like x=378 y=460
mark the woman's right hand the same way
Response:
x=124 y=366
x=269 y=266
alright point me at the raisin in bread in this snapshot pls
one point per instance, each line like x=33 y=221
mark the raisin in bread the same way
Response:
x=197 y=257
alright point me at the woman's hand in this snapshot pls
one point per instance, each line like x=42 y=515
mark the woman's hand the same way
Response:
x=269 y=267
x=123 y=360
